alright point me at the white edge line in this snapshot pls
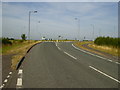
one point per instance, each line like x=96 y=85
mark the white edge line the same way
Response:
x=104 y=74
x=70 y=55
x=59 y=48
x=94 y=55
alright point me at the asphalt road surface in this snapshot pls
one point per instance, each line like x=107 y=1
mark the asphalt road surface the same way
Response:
x=60 y=65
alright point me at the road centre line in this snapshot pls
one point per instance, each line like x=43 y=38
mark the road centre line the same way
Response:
x=104 y=74
x=70 y=55
x=95 y=55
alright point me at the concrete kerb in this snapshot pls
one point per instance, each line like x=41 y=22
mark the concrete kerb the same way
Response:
x=22 y=59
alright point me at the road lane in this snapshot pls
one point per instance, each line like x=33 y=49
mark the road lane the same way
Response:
x=45 y=66
x=89 y=60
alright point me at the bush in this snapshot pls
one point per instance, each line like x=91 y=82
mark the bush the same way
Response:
x=6 y=41
x=108 y=41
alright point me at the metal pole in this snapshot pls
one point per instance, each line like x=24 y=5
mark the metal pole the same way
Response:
x=29 y=27
x=93 y=31
x=78 y=28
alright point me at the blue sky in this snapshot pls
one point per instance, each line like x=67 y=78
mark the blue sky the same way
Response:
x=58 y=18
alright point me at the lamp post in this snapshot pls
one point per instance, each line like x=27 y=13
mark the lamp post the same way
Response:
x=29 y=23
x=78 y=26
x=93 y=30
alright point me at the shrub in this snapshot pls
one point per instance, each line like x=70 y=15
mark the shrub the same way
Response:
x=109 y=41
x=6 y=41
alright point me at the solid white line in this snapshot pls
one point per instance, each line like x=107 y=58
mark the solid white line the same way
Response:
x=70 y=55
x=95 y=55
x=19 y=82
x=56 y=44
x=105 y=74
x=20 y=71
x=59 y=48
x=5 y=80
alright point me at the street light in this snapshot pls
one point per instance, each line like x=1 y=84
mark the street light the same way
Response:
x=29 y=23
x=78 y=26
x=93 y=30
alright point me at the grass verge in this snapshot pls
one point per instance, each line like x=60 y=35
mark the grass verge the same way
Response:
x=107 y=49
x=19 y=49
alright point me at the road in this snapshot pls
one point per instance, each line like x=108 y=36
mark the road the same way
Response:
x=60 y=65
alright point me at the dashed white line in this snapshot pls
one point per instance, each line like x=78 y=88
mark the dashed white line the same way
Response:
x=8 y=76
x=104 y=74
x=70 y=55
x=10 y=73
x=1 y=86
x=95 y=55
x=19 y=79
x=6 y=80
x=19 y=82
x=20 y=71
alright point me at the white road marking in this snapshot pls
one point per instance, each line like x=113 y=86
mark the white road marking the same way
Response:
x=6 y=80
x=95 y=55
x=19 y=82
x=56 y=44
x=20 y=71
x=8 y=76
x=10 y=73
x=59 y=48
x=104 y=74
x=70 y=55
x=1 y=86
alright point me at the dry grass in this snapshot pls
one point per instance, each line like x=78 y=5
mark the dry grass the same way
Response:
x=110 y=50
x=19 y=49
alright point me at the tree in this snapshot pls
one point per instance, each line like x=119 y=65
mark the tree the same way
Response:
x=23 y=36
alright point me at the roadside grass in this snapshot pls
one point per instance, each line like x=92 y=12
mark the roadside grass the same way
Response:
x=107 y=49
x=19 y=49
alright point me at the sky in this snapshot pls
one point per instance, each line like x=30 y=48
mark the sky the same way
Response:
x=58 y=18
